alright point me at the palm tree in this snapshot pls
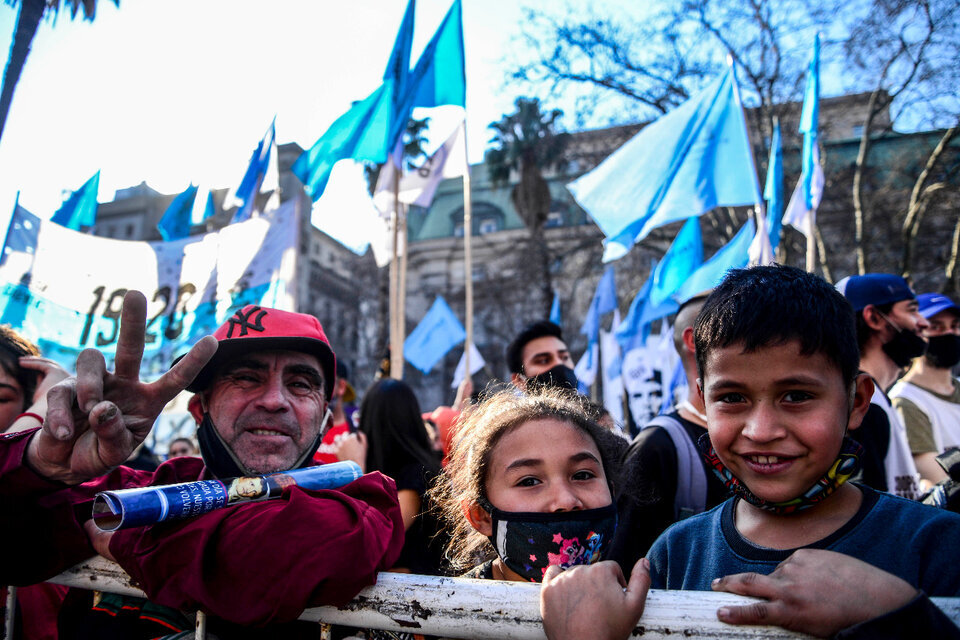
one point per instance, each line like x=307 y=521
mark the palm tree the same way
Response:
x=28 y=19
x=528 y=142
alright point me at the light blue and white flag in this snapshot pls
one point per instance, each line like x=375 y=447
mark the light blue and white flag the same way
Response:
x=632 y=332
x=610 y=365
x=809 y=122
x=62 y=289
x=733 y=255
x=262 y=174
x=80 y=208
x=437 y=333
x=689 y=161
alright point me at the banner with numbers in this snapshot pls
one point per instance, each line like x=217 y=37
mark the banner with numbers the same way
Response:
x=63 y=289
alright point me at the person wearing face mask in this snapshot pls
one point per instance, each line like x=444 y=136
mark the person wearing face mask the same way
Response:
x=889 y=336
x=529 y=485
x=928 y=396
x=538 y=356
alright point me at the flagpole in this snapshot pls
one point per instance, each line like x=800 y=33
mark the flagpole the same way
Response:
x=402 y=284
x=467 y=256
x=396 y=361
x=811 y=245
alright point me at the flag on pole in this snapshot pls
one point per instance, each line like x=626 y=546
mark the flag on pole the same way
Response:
x=373 y=126
x=192 y=206
x=760 y=250
x=681 y=259
x=555 y=310
x=437 y=333
x=610 y=367
x=262 y=173
x=733 y=255
x=604 y=300
x=80 y=209
x=686 y=163
x=632 y=332
x=476 y=363
x=797 y=215
x=419 y=186
x=398 y=66
x=587 y=366
x=360 y=133
x=773 y=188
x=801 y=212
x=809 y=122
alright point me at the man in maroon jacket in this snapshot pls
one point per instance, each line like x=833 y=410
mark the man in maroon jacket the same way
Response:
x=262 y=386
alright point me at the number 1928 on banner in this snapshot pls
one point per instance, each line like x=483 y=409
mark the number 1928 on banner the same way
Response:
x=64 y=289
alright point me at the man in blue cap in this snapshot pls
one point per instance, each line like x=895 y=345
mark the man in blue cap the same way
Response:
x=928 y=396
x=889 y=329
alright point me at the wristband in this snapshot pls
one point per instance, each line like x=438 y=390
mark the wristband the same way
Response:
x=30 y=414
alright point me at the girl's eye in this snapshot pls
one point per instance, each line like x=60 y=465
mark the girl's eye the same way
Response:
x=584 y=474
x=528 y=481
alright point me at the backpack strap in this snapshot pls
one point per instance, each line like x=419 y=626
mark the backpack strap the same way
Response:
x=691 y=495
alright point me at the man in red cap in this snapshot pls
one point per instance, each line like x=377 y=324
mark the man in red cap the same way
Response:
x=262 y=385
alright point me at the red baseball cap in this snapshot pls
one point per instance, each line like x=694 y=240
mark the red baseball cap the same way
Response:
x=255 y=328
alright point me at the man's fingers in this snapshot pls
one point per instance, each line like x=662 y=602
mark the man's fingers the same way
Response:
x=181 y=374
x=115 y=442
x=91 y=369
x=759 y=613
x=59 y=423
x=552 y=572
x=133 y=324
x=747 y=584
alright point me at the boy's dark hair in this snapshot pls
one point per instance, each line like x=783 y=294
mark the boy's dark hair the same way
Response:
x=12 y=347
x=771 y=305
x=531 y=332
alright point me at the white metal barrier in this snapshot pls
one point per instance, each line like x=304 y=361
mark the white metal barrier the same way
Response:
x=478 y=609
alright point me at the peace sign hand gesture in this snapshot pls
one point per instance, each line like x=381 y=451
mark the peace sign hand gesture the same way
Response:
x=95 y=420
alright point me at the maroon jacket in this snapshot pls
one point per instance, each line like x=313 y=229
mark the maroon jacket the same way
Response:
x=251 y=564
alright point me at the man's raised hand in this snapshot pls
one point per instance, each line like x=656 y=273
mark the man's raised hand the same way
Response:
x=95 y=420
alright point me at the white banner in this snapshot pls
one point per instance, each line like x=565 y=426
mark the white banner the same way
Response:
x=64 y=289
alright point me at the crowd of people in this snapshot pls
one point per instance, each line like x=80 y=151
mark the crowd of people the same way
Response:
x=794 y=468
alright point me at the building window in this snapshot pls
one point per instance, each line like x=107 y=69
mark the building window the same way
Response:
x=129 y=230
x=488 y=225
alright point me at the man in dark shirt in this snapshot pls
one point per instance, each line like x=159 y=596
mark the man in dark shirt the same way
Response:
x=661 y=482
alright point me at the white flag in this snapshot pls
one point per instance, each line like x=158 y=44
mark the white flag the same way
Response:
x=586 y=369
x=796 y=214
x=420 y=185
x=761 y=251
x=610 y=367
x=476 y=363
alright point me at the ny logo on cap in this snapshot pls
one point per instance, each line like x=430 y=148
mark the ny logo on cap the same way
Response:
x=242 y=320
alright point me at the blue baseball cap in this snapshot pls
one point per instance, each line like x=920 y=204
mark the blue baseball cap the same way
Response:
x=875 y=289
x=930 y=304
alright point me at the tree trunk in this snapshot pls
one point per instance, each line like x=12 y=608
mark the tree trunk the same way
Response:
x=531 y=198
x=919 y=199
x=858 y=213
x=28 y=19
x=950 y=287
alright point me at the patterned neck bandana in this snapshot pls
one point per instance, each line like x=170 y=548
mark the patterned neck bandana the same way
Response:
x=846 y=465
x=528 y=543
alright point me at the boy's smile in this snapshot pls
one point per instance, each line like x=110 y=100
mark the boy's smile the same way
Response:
x=776 y=417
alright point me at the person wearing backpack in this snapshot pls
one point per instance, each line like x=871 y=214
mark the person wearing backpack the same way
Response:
x=665 y=479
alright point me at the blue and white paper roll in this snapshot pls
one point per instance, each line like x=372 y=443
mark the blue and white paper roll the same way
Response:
x=125 y=508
